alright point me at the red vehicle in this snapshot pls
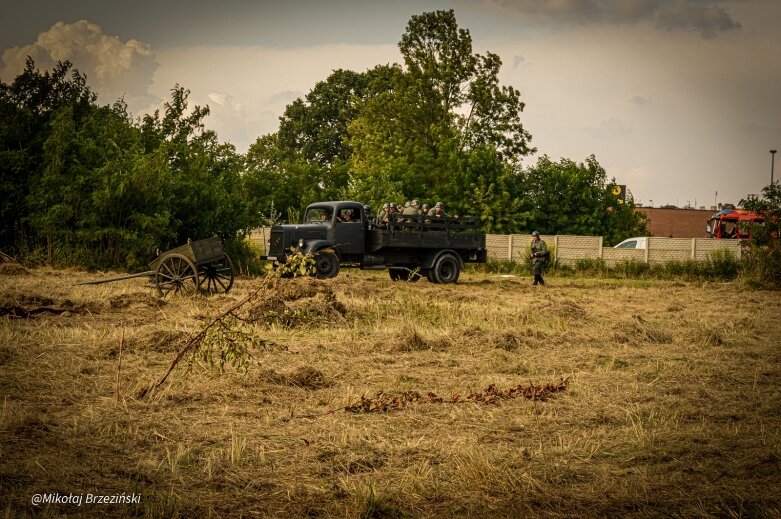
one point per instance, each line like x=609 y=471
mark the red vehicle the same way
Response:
x=733 y=224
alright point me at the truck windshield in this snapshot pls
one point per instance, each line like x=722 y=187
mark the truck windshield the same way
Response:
x=318 y=215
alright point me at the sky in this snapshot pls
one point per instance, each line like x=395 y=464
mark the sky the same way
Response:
x=678 y=99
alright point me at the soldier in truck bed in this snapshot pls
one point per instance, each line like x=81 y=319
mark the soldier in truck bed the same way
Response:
x=439 y=210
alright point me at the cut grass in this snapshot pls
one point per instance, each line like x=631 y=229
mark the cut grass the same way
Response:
x=672 y=406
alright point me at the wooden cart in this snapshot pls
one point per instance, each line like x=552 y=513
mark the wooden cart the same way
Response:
x=200 y=266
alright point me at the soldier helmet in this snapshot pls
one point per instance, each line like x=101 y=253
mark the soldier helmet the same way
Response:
x=535 y=233
x=439 y=204
x=426 y=206
x=385 y=205
x=394 y=205
x=415 y=203
x=407 y=203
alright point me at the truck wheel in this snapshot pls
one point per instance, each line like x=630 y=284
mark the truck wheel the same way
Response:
x=446 y=269
x=326 y=265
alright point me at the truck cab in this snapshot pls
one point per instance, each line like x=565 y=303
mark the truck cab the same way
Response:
x=732 y=224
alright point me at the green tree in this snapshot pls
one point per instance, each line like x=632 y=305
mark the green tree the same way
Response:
x=769 y=205
x=576 y=198
x=443 y=128
x=28 y=106
x=206 y=193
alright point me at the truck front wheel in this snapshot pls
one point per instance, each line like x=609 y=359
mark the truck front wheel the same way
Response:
x=326 y=265
x=446 y=269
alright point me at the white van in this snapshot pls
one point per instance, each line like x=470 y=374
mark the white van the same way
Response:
x=632 y=243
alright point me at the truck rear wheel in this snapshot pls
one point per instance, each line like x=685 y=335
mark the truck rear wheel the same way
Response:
x=446 y=269
x=326 y=265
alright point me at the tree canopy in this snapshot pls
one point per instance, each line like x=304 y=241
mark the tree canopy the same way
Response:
x=90 y=185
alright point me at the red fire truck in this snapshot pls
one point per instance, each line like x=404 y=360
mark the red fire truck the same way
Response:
x=733 y=223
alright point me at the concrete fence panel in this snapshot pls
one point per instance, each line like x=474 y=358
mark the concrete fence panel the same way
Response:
x=613 y=256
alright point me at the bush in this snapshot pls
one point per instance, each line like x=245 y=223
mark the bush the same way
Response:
x=632 y=269
x=761 y=267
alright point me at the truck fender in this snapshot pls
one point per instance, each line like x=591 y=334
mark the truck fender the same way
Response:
x=432 y=258
x=312 y=246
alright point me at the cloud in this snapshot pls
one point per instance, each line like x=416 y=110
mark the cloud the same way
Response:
x=113 y=68
x=693 y=15
x=641 y=100
x=708 y=20
x=518 y=60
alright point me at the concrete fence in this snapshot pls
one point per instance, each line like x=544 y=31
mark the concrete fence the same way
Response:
x=569 y=249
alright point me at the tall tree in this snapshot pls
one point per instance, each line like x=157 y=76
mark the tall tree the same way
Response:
x=206 y=195
x=28 y=106
x=444 y=128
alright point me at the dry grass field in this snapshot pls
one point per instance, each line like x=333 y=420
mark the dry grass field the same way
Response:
x=672 y=406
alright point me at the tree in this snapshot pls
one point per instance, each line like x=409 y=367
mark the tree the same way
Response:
x=28 y=106
x=769 y=205
x=571 y=198
x=442 y=128
x=205 y=194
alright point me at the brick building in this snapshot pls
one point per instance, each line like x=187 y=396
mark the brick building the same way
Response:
x=676 y=223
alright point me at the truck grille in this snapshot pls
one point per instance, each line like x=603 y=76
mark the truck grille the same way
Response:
x=277 y=243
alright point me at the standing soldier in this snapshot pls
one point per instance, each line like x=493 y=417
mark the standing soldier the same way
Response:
x=539 y=256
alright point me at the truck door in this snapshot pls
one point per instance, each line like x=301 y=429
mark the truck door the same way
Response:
x=350 y=231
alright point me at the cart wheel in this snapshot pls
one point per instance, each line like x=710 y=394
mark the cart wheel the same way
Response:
x=176 y=274
x=217 y=277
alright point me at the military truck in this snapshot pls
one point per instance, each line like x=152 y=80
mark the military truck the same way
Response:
x=344 y=234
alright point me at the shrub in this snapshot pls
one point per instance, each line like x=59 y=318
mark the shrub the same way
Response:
x=761 y=267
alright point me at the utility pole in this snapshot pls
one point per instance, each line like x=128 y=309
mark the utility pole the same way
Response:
x=772 y=164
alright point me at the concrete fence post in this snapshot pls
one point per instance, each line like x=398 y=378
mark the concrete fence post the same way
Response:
x=599 y=247
x=510 y=247
x=647 y=248
x=556 y=251
x=694 y=249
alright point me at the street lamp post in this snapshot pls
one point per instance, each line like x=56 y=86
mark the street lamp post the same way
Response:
x=772 y=164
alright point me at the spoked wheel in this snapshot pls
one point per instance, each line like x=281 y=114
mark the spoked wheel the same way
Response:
x=216 y=277
x=176 y=274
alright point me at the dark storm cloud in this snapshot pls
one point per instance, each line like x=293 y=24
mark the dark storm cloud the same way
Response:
x=700 y=16
x=708 y=20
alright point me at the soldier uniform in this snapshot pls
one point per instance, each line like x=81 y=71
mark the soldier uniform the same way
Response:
x=539 y=256
x=383 y=213
x=439 y=210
